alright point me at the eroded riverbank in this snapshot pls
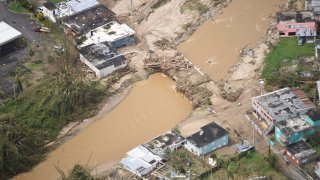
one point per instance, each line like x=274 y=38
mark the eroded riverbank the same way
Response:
x=216 y=45
x=152 y=107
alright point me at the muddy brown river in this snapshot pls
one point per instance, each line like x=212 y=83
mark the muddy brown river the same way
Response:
x=152 y=107
x=215 y=46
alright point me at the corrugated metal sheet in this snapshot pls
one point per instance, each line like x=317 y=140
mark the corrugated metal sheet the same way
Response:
x=8 y=33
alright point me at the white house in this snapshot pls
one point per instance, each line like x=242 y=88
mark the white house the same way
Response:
x=209 y=138
x=49 y=11
x=102 y=59
x=140 y=161
x=113 y=33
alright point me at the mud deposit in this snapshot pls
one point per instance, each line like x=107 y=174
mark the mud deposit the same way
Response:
x=215 y=46
x=151 y=108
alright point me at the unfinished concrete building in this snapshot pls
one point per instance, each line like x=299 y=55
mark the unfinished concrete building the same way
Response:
x=87 y=20
x=102 y=59
x=170 y=140
x=279 y=105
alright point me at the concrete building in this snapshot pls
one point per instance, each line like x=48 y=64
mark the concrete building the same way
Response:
x=140 y=161
x=112 y=33
x=300 y=153
x=89 y=19
x=49 y=11
x=8 y=33
x=170 y=140
x=313 y=5
x=296 y=24
x=292 y=130
x=102 y=59
x=209 y=138
x=279 y=105
x=317 y=169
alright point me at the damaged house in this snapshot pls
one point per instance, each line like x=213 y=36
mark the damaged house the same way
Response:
x=112 y=33
x=87 y=20
x=278 y=106
x=140 y=161
x=300 y=153
x=297 y=23
x=102 y=59
x=170 y=140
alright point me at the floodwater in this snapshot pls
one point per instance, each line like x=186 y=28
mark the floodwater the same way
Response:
x=151 y=108
x=215 y=46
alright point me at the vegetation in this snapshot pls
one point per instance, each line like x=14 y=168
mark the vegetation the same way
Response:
x=37 y=114
x=246 y=165
x=287 y=49
x=78 y=172
x=315 y=143
x=183 y=161
x=194 y=5
x=17 y=8
x=55 y=1
x=160 y=3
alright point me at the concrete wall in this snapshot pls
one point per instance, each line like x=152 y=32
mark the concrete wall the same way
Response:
x=100 y=73
x=126 y=41
x=192 y=148
x=290 y=139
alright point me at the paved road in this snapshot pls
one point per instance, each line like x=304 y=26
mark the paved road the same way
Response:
x=19 y=21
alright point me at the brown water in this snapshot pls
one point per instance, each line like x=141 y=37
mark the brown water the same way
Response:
x=151 y=108
x=215 y=46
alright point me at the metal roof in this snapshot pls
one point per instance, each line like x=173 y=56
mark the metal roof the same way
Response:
x=8 y=33
x=81 y=5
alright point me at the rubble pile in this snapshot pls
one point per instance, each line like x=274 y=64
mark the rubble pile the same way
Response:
x=198 y=94
x=157 y=64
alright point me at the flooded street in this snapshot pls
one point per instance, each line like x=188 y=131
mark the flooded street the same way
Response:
x=215 y=46
x=151 y=108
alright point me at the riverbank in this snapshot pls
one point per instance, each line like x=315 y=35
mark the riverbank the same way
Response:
x=206 y=96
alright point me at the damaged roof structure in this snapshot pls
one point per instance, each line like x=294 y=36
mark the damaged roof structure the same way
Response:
x=140 y=161
x=8 y=33
x=113 y=33
x=89 y=19
x=293 y=125
x=301 y=153
x=283 y=104
x=170 y=140
x=102 y=59
x=71 y=7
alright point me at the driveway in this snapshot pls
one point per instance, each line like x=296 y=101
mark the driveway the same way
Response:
x=11 y=56
x=20 y=22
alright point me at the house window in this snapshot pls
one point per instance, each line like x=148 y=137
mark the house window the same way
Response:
x=292 y=33
x=281 y=33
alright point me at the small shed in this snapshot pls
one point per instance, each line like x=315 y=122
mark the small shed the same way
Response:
x=209 y=138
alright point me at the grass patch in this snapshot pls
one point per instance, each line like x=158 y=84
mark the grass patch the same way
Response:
x=160 y=3
x=315 y=144
x=35 y=65
x=55 y=1
x=286 y=49
x=194 y=5
x=17 y=8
